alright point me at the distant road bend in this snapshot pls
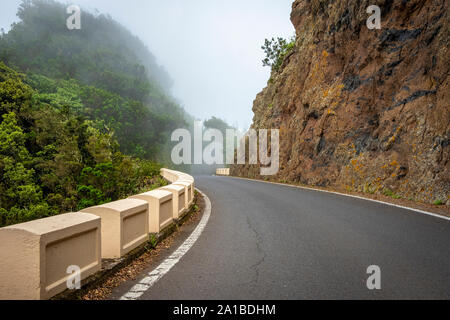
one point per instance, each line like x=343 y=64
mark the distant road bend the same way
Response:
x=267 y=241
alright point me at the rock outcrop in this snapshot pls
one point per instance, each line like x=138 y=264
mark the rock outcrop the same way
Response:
x=359 y=109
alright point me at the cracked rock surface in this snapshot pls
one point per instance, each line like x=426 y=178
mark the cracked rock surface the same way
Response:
x=363 y=110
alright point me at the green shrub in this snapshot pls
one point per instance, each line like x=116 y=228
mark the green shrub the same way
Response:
x=276 y=50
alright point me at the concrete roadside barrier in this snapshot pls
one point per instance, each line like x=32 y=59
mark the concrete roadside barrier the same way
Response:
x=40 y=257
x=223 y=171
x=36 y=258
x=179 y=199
x=124 y=226
x=160 y=208
x=174 y=177
x=184 y=176
x=189 y=187
x=187 y=178
x=170 y=175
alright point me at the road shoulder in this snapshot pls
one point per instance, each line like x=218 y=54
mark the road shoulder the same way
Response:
x=147 y=257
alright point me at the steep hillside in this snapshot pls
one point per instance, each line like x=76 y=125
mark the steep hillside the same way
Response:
x=54 y=161
x=359 y=109
x=84 y=114
x=102 y=71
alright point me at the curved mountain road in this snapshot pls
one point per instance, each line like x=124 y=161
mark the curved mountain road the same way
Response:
x=267 y=241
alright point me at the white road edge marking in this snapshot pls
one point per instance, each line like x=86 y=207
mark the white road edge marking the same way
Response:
x=349 y=195
x=152 y=277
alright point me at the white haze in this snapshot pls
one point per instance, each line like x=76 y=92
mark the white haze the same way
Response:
x=211 y=48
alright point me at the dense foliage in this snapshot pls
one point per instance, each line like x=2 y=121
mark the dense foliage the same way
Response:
x=53 y=160
x=102 y=71
x=84 y=114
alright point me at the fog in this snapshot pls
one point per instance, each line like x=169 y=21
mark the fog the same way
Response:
x=211 y=49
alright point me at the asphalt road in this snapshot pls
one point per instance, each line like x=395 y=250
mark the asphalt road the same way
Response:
x=266 y=241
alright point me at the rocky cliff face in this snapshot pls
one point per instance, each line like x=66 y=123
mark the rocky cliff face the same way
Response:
x=359 y=109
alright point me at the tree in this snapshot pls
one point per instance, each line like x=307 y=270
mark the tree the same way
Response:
x=102 y=72
x=82 y=108
x=21 y=199
x=216 y=123
x=276 y=50
x=54 y=160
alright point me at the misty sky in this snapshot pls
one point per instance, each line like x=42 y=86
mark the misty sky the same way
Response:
x=211 y=48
